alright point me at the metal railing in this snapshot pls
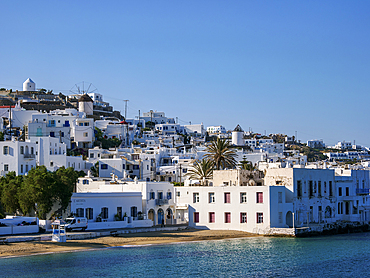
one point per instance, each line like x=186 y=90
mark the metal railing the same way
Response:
x=360 y=191
x=160 y=202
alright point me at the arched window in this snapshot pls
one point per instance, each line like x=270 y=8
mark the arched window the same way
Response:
x=21 y=150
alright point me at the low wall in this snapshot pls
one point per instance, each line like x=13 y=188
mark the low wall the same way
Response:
x=6 y=230
x=280 y=232
x=31 y=229
x=119 y=224
x=16 y=230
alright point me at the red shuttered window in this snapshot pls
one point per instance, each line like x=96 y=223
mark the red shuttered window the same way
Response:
x=212 y=218
x=259 y=197
x=196 y=217
x=227 y=217
x=227 y=198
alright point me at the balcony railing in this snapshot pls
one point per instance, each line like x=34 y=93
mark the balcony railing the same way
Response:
x=28 y=155
x=161 y=202
x=362 y=191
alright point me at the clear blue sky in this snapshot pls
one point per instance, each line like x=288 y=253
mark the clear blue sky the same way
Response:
x=274 y=66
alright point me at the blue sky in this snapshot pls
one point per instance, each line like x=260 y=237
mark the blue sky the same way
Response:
x=274 y=66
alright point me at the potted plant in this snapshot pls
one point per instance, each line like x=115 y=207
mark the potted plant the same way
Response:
x=98 y=218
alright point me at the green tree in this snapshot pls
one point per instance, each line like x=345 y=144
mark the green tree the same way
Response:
x=246 y=165
x=221 y=153
x=38 y=191
x=95 y=169
x=1 y=136
x=10 y=188
x=202 y=170
x=64 y=185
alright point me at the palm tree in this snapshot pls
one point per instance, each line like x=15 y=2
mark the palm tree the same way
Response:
x=221 y=154
x=202 y=170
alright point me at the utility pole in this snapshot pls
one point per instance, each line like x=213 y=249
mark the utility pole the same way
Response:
x=180 y=174
x=126 y=100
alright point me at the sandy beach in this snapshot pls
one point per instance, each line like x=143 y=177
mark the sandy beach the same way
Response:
x=164 y=237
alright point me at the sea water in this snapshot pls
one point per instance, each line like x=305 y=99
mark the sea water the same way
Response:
x=330 y=256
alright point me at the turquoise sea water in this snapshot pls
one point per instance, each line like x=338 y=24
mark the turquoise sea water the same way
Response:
x=331 y=256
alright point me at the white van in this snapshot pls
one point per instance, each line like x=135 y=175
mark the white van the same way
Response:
x=76 y=223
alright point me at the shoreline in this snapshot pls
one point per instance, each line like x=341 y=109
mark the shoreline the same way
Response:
x=20 y=249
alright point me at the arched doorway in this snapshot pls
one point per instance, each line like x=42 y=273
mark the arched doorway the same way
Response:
x=169 y=216
x=151 y=215
x=328 y=212
x=289 y=219
x=160 y=217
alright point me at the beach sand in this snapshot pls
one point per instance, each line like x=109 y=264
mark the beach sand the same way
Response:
x=164 y=237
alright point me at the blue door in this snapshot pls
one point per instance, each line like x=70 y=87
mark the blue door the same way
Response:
x=160 y=216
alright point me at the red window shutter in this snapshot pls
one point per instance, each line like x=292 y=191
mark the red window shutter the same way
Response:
x=196 y=217
x=259 y=197
x=241 y=218
x=227 y=198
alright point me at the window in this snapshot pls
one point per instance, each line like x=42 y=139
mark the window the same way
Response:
x=196 y=217
x=280 y=197
x=259 y=197
x=160 y=195
x=6 y=150
x=51 y=163
x=89 y=213
x=339 y=191
x=227 y=217
x=104 y=166
x=62 y=134
x=26 y=168
x=151 y=195
x=169 y=195
x=212 y=218
x=347 y=191
x=135 y=167
x=86 y=124
x=259 y=217
x=104 y=213
x=52 y=134
x=31 y=150
x=80 y=124
x=319 y=188
x=243 y=217
x=243 y=197
x=178 y=193
x=195 y=197
x=6 y=167
x=310 y=189
x=134 y=211
x=330 y=188
x=227 y=198
x=80 y=212
x=184 y=170
x=119 y=212
x=21 y=150
x=85 y=182
x=86 y=134
x=211 y=197
x=280 y=217
x=21 y=168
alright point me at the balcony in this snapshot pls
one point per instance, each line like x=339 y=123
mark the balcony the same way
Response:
x=29 y=156
x=161 y=202
x=362 y=191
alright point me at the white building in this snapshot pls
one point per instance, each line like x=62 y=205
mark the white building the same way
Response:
x=157 y=197
x=157 y=117
x=17 y=156
x=316 y=144
x=216 y=129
